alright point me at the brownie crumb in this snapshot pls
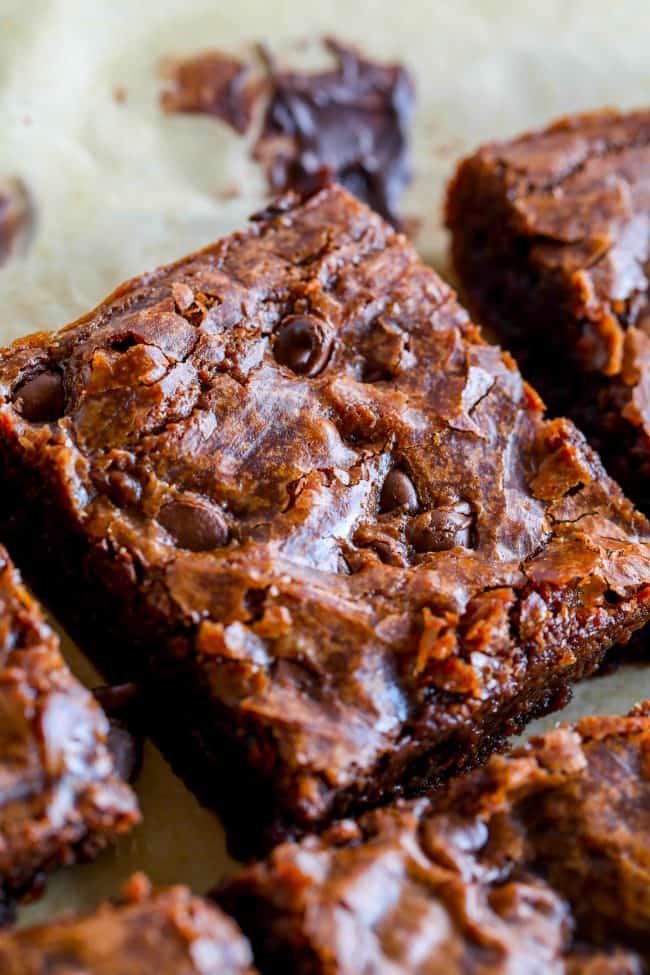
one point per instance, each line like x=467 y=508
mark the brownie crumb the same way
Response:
x=16 y=216
x=211 y=83
x=350 y=122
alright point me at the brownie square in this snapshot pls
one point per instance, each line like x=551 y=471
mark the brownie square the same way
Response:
x=285 y=485
x=551 y=242
x=167 y=933
x=60 y=798
x=539 y=863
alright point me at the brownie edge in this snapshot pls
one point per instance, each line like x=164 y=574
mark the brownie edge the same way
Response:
x=61 y=798
x=539 y=863
x=169 y=932
x=550 y=241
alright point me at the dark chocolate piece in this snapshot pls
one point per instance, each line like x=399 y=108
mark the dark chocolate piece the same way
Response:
x=537 y=864
x=413 y=565
x=60 y=797
x=212 y=83
x=349 y=123
x=167 y=933
x=550 y=240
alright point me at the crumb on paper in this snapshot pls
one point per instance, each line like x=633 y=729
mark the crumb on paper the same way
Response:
x=16 y=217
x=210 y=83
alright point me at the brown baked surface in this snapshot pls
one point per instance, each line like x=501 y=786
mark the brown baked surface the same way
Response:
x=296 y=495
x=60 y=798
x=537 y=863
x=551 y=241
x=167 y=933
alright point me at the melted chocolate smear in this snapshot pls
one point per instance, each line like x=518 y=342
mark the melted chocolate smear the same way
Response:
x=123 y=708
x=212 y=83
x=16 y=217
x=350 y=123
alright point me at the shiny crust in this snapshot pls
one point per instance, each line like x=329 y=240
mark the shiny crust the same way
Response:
x=339 y=658
x=168 y=933
x=550 y=238
x=59 y=796
x=539 y=862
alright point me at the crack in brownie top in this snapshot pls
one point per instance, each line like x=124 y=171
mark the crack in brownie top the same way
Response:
x=299 y=449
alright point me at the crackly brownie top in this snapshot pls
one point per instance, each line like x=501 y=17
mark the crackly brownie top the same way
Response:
x=57 y=780
x=579 y=191
x=300 y=443
x=170 y=933
x=539 y=862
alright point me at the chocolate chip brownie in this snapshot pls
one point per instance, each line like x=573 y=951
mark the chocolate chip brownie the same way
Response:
x=550 y=240
x=285 y=486
x=169 y=933
x=537 y=863
x=60 y=796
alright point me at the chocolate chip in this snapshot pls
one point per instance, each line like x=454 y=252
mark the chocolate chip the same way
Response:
x=117 y=700
x=41 y=399
x=123 y=707
x=303 y=343
x=442 y=529
x=398 y=492
x=126 y=750
x=195 y=525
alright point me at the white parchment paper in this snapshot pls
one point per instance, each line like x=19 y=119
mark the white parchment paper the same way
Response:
x=118 y=188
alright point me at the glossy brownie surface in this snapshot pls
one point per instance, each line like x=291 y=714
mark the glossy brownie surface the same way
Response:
x=303 y=497
x=59 y=795
x=537 y=863
x=551 y=241
x=169 y=933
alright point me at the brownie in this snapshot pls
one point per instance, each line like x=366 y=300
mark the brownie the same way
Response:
x=60 y=798
x=550 y=241
x=538 y=862
x=169 y=933
x=285 y=487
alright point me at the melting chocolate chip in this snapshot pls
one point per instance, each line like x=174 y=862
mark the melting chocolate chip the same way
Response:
x=398 y=492
x=194 y=525
x=303 y=343
x=125 y=741
x=41 y=399
x=126 y=750
x=442 y=529
x=117 y=700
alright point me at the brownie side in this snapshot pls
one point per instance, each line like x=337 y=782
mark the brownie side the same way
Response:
x=538 y=862
x=550 y=240
x=325 y=526
x=60 y=798
x=169 y=932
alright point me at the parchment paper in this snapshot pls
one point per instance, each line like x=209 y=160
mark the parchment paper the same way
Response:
x=118 y=187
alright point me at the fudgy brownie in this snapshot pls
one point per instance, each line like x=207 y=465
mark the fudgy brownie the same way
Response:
x=60 y=798
x=537 y=863
x=286 y=486
x=168 y=933
x=550 y=239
